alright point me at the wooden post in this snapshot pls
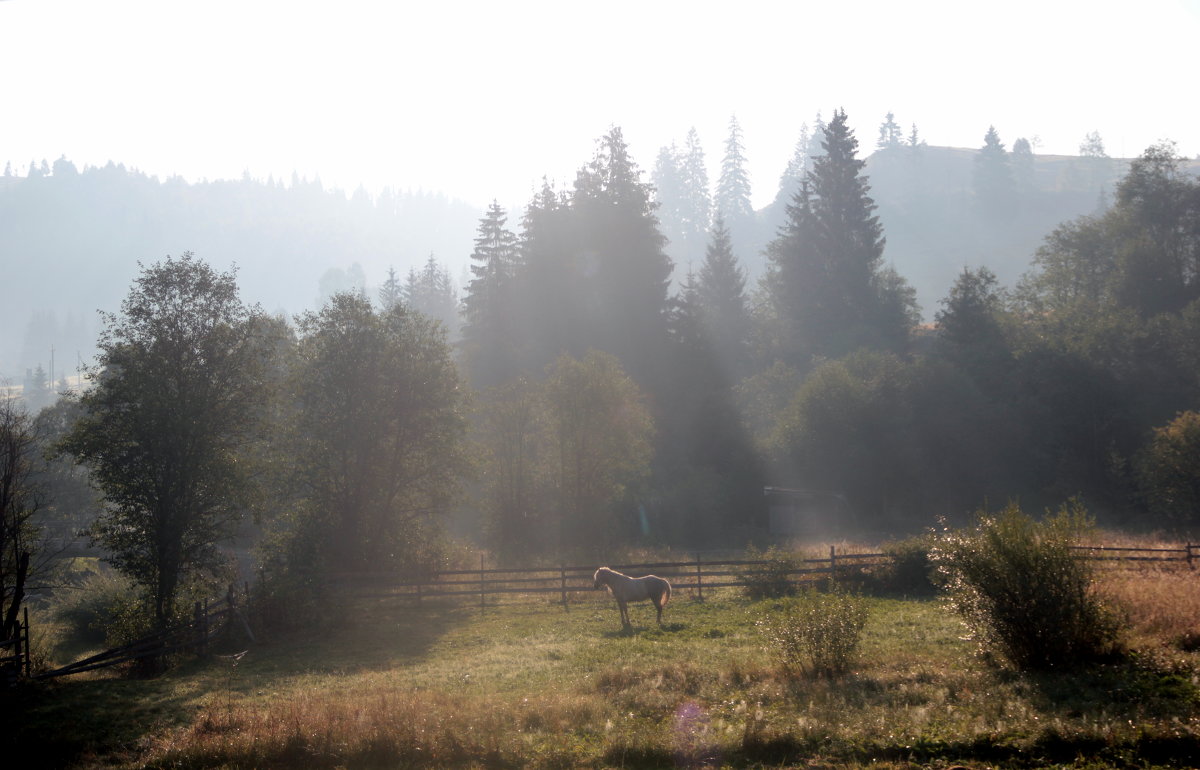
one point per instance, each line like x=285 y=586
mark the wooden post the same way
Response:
x=832 y=565
x=699 y=579
x=25 y=609
x=1189 y=554
x=481 y=586
x=562 y=580
x=197 y=626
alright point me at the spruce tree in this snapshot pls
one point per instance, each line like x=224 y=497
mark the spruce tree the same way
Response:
x=993 y=180
x=623 y=258
x=721 y=295
x=825 y=278
x=733 y=188
x=489 y=307
x=890 y=135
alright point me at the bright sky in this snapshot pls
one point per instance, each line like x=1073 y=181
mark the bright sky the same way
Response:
x=481 y=99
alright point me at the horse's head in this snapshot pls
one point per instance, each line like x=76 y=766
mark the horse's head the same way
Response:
x=598 y=580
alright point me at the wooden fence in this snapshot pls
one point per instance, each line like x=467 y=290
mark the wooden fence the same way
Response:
x=695 y=576
x=193 y=636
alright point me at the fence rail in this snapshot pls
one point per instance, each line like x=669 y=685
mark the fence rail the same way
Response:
x=696 y=575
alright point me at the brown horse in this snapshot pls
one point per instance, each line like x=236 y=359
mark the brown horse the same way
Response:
x=630 y=589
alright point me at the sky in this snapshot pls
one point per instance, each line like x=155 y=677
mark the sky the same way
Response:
x=480 y=100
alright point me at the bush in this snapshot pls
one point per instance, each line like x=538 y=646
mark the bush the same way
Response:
x=103 y=610
x=909 y=569
x=773 y=578
x=818 y=634
x=1023 y=591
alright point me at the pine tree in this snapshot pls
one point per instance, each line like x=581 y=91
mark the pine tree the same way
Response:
x=733 y=188
x=697 y=200
x=721 y=295
x=993 y=177
x=391 y=293
x=623 y=256
x=825 y=277
x=890 y=136
x=797 y=167
x=431 y=292
x=488 y=308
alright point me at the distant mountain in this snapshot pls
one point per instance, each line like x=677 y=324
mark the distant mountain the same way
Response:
x=70 y=242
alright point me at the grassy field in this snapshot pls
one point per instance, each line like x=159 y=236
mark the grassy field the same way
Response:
x=534 y=684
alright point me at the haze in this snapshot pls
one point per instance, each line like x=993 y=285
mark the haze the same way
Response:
x=480 y=100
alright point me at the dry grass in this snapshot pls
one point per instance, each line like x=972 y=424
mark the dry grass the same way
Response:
x=539 y=686
x=1161 y=604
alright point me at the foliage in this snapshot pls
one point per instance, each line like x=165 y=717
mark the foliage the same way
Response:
x=600 y=433
x=1169 y=468
x=1022 y=590
x=20 y=501
x=487 y=309
x=909 y=571
x=775 y=577
x=176 y=399
x=377 y=440
x=818 y=634
x=104 y=609
x=824 y=281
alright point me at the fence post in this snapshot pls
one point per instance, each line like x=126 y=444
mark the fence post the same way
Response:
x=699 y=579
x=1189 y=554
x=562 y=582
x=25 y=609
x=481 y=584
x=832 y=565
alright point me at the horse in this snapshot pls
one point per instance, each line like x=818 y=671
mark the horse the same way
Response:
x=630 y=589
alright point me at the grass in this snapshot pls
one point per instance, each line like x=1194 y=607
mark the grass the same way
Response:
x=524 y=685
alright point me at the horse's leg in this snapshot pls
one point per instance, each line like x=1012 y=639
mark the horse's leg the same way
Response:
x=624 y=613
x=658 y=606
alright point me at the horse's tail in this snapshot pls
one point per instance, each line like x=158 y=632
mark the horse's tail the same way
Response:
x=666 y=594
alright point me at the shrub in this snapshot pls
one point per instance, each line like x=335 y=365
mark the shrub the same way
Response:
x=102 y=610
x=1023 y=591
x=909 y=569
x=817 y=634
x=772 y=578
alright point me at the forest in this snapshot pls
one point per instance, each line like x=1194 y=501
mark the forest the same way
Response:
x=631 y=361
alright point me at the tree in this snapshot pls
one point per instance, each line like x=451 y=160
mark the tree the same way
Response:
x=431 y=292
x=627 y=272
x=512 y=430
x=993 y=180
x=1142 y=254
x=733 y=187
x=793 y=174
x=696 y=199
x=824 y=279
x=378 y=435
x=721 y=296
x=1170 y=469
x=890 y=135
x=600 y=434
x=176 y=398
x=391 y=293
x=1022 y=166
x=20 y=501
x=969 y=325
x=490 y=305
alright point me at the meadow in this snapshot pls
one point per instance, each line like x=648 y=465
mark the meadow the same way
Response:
x=533 y=684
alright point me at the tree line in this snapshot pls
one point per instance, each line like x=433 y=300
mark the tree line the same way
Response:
x=597 y=398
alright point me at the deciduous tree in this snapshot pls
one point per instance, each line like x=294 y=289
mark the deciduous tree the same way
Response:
x=175 y=399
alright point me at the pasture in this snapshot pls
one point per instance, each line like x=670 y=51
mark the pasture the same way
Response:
x=531 y=684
